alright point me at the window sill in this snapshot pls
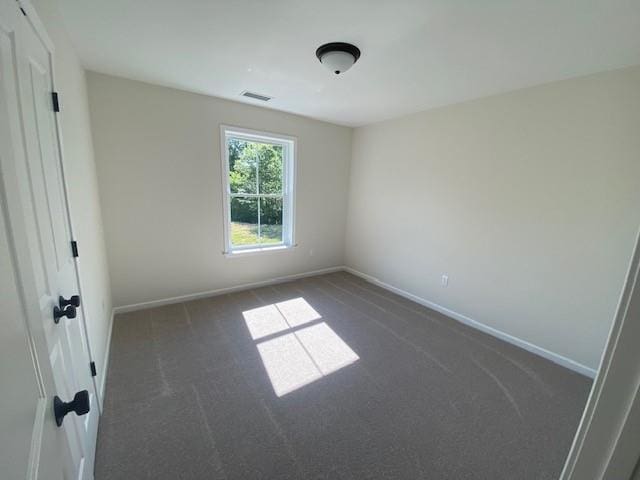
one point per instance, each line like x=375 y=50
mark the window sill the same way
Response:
x=259 y=251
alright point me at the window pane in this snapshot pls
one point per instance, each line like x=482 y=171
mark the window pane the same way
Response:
x=244 y=221
x=270 y=171
x=242 y=166
x=271 y=220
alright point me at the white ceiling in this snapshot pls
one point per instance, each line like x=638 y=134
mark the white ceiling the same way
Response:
x=416 y=54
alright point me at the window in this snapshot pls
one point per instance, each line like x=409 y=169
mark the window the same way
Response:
x=258 y=174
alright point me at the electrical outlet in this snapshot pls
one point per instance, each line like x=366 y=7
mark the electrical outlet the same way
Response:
x=445 y=280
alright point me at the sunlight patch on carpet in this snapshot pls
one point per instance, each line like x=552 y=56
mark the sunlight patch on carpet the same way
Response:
x=299 y=350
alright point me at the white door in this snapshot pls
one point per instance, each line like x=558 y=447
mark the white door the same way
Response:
x=34 y=186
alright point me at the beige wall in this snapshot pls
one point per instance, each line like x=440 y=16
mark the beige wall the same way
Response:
x=80 y=174
x=528 y=201
x=159 y=168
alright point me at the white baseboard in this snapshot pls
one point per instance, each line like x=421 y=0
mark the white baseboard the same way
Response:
x=105 y=360
x=543 y=352
x=221 y=291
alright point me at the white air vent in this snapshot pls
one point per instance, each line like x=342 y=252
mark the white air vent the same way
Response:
x=256 y=96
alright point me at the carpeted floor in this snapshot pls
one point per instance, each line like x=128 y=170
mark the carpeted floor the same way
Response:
x=328 y=377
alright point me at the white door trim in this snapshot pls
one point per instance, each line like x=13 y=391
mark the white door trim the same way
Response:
x=603 y=448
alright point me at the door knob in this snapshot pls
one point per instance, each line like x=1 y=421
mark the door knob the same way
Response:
x=69 y=312
x=79 y=404
x=73 y=300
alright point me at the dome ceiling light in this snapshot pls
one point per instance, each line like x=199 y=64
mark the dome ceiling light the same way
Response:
x=338 y=56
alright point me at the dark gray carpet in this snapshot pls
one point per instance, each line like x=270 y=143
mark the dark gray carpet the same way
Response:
x=189 y=396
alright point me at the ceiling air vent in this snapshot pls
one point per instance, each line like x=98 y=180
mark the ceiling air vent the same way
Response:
x=256 y=96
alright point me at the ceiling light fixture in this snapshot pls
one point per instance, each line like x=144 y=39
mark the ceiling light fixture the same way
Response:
x=338 y=56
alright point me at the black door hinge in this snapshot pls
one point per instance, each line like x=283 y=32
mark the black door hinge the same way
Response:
x=92 y=365
x=55 y=101
x=74 y=248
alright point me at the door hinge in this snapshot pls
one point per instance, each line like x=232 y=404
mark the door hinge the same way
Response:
x=74 y=248
x=55 y=101
x=92 y=365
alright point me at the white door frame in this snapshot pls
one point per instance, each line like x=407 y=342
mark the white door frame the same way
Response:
x=607 y=443
x=38 y=26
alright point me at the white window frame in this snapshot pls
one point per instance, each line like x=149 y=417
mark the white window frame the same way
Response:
x=289 y=145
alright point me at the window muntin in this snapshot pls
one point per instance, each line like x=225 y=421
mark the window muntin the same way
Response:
x=258 y=186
